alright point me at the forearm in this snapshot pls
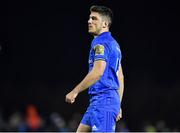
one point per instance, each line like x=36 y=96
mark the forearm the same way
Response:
x=121 y=82
x=90 y=79
x=121 y=89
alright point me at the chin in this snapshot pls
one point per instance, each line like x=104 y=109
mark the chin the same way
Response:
x=92 y=33
x=90 y=30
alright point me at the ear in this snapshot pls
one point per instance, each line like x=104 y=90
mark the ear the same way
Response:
x=105 y=24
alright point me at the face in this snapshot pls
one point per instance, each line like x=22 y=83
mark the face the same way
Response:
x=95 y=23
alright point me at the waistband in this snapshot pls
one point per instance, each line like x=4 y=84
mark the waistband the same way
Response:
x=105 y=98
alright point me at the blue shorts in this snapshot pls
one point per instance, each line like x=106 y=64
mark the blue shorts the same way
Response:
x=102 y=111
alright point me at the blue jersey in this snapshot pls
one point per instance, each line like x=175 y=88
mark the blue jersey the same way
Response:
x=104 y=47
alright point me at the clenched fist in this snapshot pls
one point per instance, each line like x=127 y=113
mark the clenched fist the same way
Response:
x=70 y=97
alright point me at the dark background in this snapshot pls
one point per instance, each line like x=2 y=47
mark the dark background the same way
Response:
x=44 y=47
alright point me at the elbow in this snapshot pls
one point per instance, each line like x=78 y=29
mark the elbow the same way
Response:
x=98 y=75
x=122 y=76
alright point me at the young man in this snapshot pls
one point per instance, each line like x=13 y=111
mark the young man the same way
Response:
x=105 y=77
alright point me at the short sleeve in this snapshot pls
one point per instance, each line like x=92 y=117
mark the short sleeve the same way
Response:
x=101 y=52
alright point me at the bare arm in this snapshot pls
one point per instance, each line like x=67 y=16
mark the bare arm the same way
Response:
x=120 y=90
x=121 y=81
x=92 y=77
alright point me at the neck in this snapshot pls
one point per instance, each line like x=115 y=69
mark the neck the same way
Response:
x=103 y=30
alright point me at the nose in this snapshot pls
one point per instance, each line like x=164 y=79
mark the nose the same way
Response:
x=89 y=21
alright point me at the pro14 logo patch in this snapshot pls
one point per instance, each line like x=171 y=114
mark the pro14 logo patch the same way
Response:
x=99 y=49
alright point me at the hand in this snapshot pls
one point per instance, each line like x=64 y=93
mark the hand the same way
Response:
x=70 y=97
x=119 y=116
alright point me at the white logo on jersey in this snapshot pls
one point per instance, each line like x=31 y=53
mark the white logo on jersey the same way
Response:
x=94 y=128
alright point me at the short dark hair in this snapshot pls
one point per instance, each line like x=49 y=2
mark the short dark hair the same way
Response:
x=104 y=11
